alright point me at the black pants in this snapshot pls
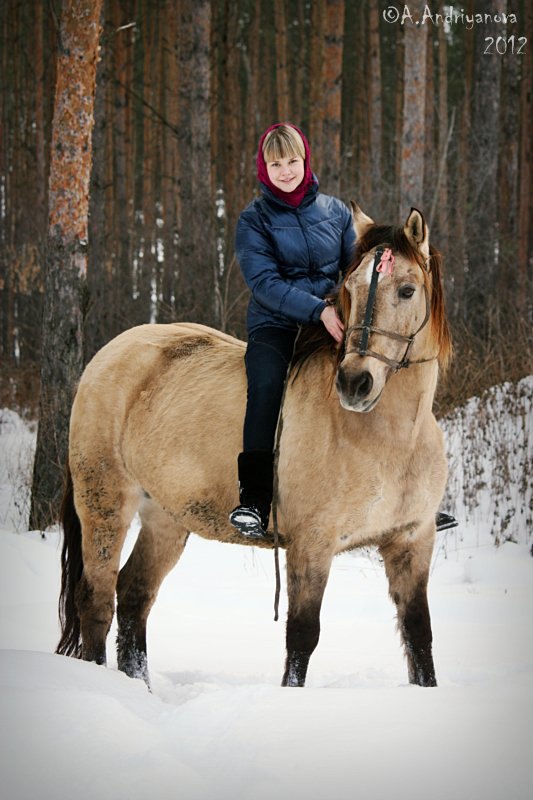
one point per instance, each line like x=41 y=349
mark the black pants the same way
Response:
x=267 y=358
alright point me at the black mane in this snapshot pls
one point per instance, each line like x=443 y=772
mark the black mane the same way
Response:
x=313 y=339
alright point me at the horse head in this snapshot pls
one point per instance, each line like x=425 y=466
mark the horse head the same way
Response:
x=391 y=302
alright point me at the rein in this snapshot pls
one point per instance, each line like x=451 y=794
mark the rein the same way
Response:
x=275 y=488
x=367 y=328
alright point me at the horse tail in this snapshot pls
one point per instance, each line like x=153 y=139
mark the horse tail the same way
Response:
x=71 y=572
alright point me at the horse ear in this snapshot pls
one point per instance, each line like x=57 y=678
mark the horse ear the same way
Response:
x=361 y=222
x=417 y=232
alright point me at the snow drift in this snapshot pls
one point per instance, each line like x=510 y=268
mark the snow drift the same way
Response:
x=219 y=726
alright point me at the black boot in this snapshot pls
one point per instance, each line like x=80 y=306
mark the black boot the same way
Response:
x=445 y=521
x=256 y=479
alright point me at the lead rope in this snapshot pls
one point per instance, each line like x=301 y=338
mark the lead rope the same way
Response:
x=275 y=485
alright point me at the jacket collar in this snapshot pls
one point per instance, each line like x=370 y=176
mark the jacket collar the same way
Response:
x=309 y=198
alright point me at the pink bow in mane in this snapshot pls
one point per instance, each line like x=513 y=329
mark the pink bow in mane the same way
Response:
x=386 y=264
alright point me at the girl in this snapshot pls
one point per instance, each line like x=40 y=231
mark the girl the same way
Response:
x=292 y=244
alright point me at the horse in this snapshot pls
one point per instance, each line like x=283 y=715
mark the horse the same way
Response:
x=156 y=426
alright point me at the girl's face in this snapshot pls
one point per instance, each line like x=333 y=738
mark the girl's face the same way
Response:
x=286 y=173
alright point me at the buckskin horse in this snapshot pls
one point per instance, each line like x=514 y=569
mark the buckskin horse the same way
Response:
x=156 y=426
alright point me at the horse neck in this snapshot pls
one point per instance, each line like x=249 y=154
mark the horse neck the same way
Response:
x=406 y=403
x=407 y=400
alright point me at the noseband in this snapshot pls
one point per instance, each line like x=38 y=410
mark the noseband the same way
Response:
x=367 y=328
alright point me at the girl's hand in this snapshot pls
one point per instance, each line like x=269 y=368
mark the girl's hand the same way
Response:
x=333 y=323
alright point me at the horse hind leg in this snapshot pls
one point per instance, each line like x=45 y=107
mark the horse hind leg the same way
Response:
x=407 y=564
x=106 y=504
x=158 y=547
x=307 y=577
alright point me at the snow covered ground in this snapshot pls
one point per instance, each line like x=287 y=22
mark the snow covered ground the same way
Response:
x=218 y=725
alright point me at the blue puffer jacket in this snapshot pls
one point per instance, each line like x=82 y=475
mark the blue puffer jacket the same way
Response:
x=291 y=258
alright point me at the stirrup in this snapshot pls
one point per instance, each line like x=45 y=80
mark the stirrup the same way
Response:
x=247 y=520
x=445 y=521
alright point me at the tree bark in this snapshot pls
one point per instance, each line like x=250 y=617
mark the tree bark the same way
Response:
x=99 y=286
x=171 y=166
x=525 y=200
x=197 y=251
x=317 y=105
x=66 y=267
x=414 y=113
x=398 y=114
x=282 y=79
x=442 y=184
x=331 y=87
x=430 y=133
x=122 y=221
x=482 y=219
x=461 y=195
x=375 y=108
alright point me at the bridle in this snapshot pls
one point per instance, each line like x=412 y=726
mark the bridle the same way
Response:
x=367 y=328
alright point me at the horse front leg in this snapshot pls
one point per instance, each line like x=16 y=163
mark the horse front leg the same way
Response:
x=306 y=581
x=407 y=564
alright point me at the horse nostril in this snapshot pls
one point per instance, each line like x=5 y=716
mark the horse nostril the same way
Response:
x=355 y=386
x=361 y=385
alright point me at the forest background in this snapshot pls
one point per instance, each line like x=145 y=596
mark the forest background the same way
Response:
x=435 y=115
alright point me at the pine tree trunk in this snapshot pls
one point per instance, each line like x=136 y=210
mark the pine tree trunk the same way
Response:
x=414 y=113
x=350 y=60
x=316 y=96
x=442 y=187
x=460 y=205
x=483 y=179
x=252 y=113
x=525 y=199
x=506 y=284
x=146 y=271
x=197 y=252
x=229 y=121
x=171 y=167
x=282 y=81
x=95 y=333
x=6 y=289
x=430 y=137
x=39 y=119
x=398 y=114
x=331 y=87
x=66 y=266
x=375 y=109
x=299 y=72
x=121 y=152
x=361 y=82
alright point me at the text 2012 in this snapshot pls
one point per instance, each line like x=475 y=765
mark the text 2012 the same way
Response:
x=516 y=45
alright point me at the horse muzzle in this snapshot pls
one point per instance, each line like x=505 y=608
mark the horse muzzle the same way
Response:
x=357 y=389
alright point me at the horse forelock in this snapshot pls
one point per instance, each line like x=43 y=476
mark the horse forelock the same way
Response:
x=395 y=238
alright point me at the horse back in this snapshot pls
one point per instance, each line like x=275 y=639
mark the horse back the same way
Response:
x=137 y=407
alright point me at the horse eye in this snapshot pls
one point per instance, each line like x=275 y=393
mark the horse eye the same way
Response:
x=405 y=292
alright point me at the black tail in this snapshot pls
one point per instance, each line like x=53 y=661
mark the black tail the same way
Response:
x=71 y=572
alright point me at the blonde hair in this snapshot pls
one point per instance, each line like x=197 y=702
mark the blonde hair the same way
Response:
x=283 y=142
